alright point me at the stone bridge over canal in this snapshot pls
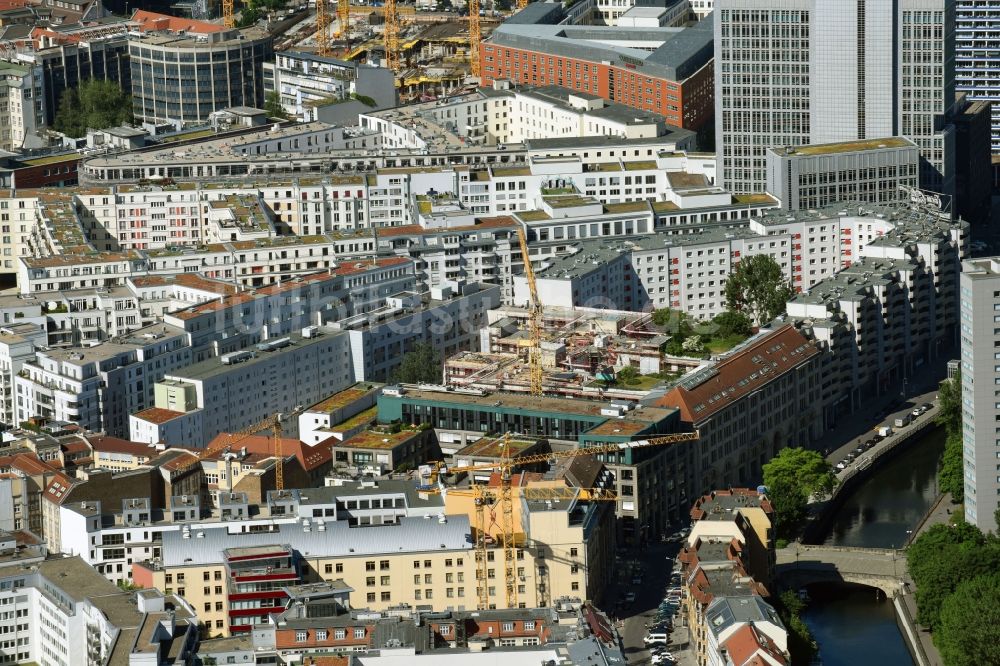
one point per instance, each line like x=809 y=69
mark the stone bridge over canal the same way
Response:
x=799 y=565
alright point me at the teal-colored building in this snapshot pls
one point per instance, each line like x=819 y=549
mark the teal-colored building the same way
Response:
x=652 y=483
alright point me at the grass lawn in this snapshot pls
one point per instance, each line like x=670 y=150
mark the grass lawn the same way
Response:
x=722 y=344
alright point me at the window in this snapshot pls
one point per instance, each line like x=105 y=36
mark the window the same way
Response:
x=370 y=581
x=386 y=596
x=321 y=634
x=371 y=597
x=444 y=629
x=384 y=565
x=301 y=636
x=384 y=580
x=370 y=565
x=507 y=626
x=572 y=552
x=359 y=632
x=529 y=625
x=340 y=567
x=340 y=634
x=328 y=569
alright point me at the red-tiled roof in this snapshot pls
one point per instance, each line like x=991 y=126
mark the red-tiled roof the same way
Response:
x=309 y=457
x=75 y=446
x=149 y=21
x=116 y=445
x=157 y=415
x=747 y=371
x=748 y=645
x=29 y=463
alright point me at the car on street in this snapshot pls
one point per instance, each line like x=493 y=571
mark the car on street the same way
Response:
x=655 y=637
x=630 y=598
x=637 y=580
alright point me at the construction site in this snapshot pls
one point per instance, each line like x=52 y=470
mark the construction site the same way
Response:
x=433 y=53
x=581 y=351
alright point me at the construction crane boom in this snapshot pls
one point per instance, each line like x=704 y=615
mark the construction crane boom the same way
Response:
x=272 y=423
x=391 y=35
x=475 y=36
x=228 y=14
x=535 y=317
x=521 y=4
x=485 y=496
x=440 y=468
x=322 y=29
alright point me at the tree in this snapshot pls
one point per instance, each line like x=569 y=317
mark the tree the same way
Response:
x=272 y=104
x=970 y=623
x=758 y=289
x=627 y=375
x=950 y=478
x=732 y=323
x=792 y=477
x=950 y=404
x=95 y=104
x=669 y=318
x=692 y=344
x=419 y=365
x=950 y=467
x=801 y=645
x=941 y=558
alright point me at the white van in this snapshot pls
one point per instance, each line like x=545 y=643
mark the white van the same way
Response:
x=655 y=637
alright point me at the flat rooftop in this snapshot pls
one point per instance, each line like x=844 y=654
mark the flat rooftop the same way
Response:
x=848 y=146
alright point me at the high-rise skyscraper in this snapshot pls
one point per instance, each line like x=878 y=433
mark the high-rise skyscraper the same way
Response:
x=980 y=302
x=816 y=71
x=977 y=55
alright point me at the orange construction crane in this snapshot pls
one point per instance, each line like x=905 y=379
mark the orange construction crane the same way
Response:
x=323 y=29
x=343 y=17
x=475 y=35
x=228 y=14
x=535 y=316
x=390 y=35
x=431 y=482
x=521 y=4
x=272 y=423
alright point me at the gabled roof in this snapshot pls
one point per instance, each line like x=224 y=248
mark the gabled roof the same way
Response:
x=115 y=445
x=310 y=457
x=748 y=646
x=702 y=393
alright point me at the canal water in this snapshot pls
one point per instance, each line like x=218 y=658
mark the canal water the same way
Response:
x=851 y=625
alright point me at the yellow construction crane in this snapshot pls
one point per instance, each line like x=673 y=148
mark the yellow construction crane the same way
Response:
x=484 y=497
x=521 y=4
x=475 y=35
x=390 y=35
x=228 y=14
x=343 y=17
x=535 y=319
x=272 y=423
x=323 y=29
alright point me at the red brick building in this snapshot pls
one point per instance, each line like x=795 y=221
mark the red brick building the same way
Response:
x=674 y=80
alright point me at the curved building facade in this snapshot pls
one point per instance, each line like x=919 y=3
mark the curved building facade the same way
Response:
x=184 y=77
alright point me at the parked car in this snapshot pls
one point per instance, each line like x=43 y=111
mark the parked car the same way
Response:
x=630 y=597
x=655 y=637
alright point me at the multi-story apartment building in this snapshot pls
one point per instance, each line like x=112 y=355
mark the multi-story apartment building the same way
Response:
x=98 y=387
x=688 y=271
x=895 y=307
x=22 y=106
x=877 y=171
x=239 y=389
x=17 y=346
x=61 y=611
x=980 y=297
x=815 y=71
x=665 y=70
